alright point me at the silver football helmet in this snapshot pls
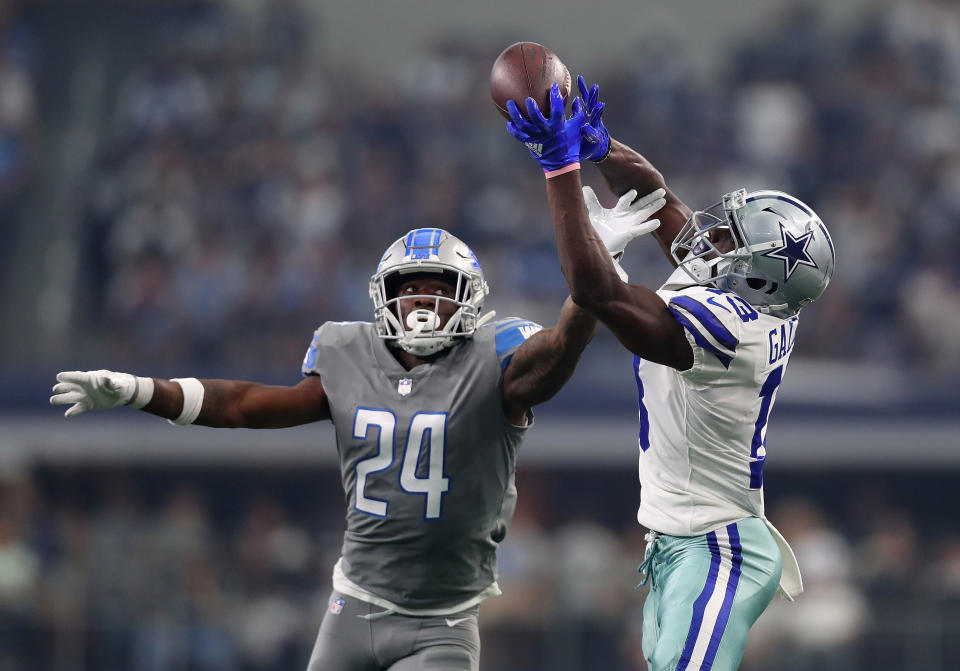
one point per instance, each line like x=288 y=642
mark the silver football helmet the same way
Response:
x=782 y=258
x=428 y=250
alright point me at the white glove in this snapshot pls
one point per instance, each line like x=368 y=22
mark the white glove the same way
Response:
x=100 y=389
x=625 y=221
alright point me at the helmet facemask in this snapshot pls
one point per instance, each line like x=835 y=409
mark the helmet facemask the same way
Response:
x=695 y=247
x=427 y=251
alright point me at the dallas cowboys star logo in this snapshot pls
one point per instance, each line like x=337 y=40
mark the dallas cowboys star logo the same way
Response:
x=792 y=251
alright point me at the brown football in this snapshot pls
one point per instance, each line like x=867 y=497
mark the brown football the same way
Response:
x=527 y=69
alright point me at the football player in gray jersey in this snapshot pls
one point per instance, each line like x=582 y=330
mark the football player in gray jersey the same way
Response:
x=430 y=403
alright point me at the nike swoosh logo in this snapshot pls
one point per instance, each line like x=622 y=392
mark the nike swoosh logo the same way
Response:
x=454 y=623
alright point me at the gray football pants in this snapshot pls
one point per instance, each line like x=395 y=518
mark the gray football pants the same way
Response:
x=349 y=642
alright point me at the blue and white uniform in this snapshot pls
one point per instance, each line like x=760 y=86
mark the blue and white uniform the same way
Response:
x=713 y=559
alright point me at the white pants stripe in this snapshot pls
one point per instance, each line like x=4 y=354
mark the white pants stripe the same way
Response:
x=712 y=608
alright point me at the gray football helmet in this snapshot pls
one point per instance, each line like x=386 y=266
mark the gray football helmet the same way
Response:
x=782 y=259
x=428 y=250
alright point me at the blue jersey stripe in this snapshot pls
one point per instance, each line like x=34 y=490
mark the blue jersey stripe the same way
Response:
x=506 y=341
x=511 y=335
x=725 y=359
x=700 y=605
x=724 y=615
x=833 y=254
x=644 y=435
x=766 y=393
x=423 y=242
x=786 y=199
x=310 y=359
x=709 y=320
x=507 y=324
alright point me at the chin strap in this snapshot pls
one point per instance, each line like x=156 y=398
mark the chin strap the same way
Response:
x=700 y=271
x=425 y=346
x=485 y=318
x=770 y=309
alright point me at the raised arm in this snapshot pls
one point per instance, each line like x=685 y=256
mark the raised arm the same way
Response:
x=624 y=168
x=217 y=403
x=636 y=315
x=545 y=361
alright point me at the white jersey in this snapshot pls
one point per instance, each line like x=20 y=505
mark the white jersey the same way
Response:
x=703 y=430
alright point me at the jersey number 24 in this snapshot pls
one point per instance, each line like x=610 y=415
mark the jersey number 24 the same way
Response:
x=424 y=426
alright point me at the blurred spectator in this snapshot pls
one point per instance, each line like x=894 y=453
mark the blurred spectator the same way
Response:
x=18 y=111
x=821 y=627
x=65 y=591
x=931 y=305
x=526 y=573
x=943 y=578
x=589 y=584
x=19 y=575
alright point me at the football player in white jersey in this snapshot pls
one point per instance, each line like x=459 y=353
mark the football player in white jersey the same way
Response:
x=710 y=350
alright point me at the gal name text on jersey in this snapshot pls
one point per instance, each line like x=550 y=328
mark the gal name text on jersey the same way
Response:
x=781 y=340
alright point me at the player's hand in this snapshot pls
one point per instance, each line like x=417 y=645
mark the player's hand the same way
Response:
x=596 y=139
x=623 y=222
x=93 y=390
x=626 y=220
x=553 y=142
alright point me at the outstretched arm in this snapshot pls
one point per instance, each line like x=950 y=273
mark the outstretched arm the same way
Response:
x=545 y=361
x=248 y=405
x=220 y=403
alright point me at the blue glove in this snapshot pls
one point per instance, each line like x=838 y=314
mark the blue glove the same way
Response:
x=596 y=139
x=554 y=143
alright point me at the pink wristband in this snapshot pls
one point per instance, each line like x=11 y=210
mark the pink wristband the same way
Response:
x=561 y=171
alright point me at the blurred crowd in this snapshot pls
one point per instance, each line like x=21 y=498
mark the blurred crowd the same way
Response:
x=244 y=186
x=247 y=182
x=19 y=119
x=208 y=570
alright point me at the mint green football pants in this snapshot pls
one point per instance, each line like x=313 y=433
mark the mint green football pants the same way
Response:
x=705 y=594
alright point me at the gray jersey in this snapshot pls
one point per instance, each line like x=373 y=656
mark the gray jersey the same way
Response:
x=427 y=460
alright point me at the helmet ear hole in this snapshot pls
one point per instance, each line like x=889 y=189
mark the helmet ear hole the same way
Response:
x=756 y=283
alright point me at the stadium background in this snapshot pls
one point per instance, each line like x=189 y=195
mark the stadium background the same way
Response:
x=190 y=188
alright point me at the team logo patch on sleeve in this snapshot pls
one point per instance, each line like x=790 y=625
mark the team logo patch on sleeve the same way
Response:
x=336 y=606
x=405 y=386
x=510 y=335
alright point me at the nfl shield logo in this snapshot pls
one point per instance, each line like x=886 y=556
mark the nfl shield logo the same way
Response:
x=405 y=386
x=336 y=606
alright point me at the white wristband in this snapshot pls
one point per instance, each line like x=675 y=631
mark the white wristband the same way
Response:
x=142 y=392
x=192 y=400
